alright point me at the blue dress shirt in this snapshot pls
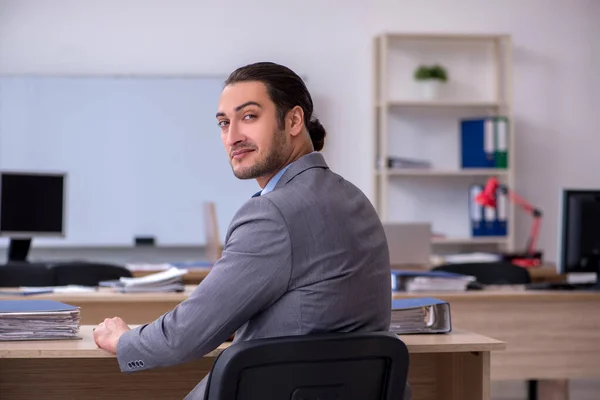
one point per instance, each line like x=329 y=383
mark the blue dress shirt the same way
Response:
x=271 y=184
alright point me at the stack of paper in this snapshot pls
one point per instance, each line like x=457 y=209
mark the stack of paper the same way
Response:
x=38 y=320
x=477 y=257
x=420 y=315
x=135 y=267
x=429 y=281
x=170 y=280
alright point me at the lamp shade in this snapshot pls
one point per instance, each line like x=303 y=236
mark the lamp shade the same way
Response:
x=487 y=197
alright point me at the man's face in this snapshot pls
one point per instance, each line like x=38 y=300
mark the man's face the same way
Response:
x=255 y=145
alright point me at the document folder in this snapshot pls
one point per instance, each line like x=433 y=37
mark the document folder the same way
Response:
x=38 y=320
x=477 y=143
x=420 y=315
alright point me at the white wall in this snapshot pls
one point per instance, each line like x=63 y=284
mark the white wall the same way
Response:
x=330 y=41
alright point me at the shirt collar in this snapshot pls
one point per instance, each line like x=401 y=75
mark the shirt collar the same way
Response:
x=271 y=185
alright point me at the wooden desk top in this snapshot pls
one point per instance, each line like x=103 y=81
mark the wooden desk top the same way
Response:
x=457 y=341
x=508 y=293
x=80 y=348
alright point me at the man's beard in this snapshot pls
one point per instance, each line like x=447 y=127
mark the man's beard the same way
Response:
x=274 y=160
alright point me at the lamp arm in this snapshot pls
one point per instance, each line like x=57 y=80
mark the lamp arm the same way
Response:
x=535 y=229
x=535 y=212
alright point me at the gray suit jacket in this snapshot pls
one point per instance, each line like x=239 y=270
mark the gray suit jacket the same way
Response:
x=310 y=256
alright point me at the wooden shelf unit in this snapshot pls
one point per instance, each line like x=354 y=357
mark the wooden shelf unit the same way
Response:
x=394 y=98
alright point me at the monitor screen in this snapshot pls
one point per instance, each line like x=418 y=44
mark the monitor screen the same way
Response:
x=580 y=233
x=31 y=204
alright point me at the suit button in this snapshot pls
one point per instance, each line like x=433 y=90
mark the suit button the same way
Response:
x=130 y=365
x=141 y=363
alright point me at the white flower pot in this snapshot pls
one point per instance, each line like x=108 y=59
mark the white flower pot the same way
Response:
x=430 y=89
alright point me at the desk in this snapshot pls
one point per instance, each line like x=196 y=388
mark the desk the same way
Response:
x=453 y=366
x=551 y=336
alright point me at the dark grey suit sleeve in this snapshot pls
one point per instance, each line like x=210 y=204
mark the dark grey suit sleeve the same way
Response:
x=253 y=272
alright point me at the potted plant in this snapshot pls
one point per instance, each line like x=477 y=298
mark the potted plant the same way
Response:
x=431 y=78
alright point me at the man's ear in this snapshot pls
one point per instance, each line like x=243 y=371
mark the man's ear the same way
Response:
x=295 y=120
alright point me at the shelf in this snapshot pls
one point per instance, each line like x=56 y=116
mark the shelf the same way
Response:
x=471 y=240
x=415 y=123
x=444 y=36
x=441 y=104
x=434 y=172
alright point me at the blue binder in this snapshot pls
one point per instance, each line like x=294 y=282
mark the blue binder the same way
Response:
x=34 y=306
x=478 y=143
x=420 y=315
x=404 y=304
x=501 y=225
x=489 y=221
x=476 y=211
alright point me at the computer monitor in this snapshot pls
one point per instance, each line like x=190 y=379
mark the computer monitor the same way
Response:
x=579 y=244
x=31 y=205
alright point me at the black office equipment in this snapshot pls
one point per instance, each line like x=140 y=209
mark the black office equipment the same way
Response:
x=86 y=273
x=579 y=247
x=349 y=366
x=31 y=205
x=26 y=274
x=149 y=241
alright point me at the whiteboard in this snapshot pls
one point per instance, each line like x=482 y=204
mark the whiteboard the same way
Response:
x=141 y=154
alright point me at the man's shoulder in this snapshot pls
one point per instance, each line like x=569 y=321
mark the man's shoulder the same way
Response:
x=259 y=207
x=319 y=184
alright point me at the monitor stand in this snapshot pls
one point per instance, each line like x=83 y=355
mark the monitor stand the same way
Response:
x=585 y=280
x=594 y=260
x=18 y=250
x=597 y=284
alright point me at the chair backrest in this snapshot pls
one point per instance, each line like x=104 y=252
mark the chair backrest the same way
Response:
x=17 y=274
x=357 y=365
x=490 y=273
x=87 y=273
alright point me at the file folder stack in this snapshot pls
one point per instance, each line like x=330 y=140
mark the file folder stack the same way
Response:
x=484 y=142
x=488 y=221
x=420 y=315
x=38 y=320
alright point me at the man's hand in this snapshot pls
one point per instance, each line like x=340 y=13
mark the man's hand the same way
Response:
x=107 y=334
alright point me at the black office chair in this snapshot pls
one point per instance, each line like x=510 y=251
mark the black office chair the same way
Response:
x=492 y=273
x=358 y=365
x=87 y=273
x=26 y=274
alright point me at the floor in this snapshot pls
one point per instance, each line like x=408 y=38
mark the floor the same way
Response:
x=579 y=390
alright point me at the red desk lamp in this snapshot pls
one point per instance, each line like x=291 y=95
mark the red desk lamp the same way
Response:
x=487 y=198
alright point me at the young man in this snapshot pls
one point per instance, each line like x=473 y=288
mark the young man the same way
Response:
x=306 y=254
